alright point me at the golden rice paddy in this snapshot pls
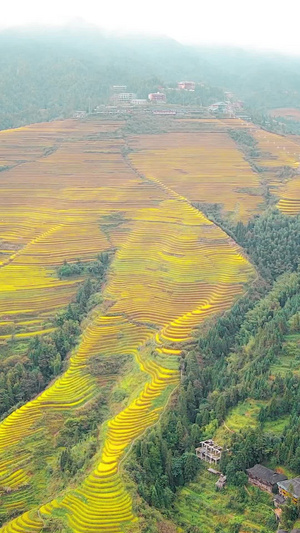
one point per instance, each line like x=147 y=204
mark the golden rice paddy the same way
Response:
x=280 y=151
x=205 y=167
x=172 y=269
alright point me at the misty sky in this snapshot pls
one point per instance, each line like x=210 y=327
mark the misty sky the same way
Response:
x=262 y=24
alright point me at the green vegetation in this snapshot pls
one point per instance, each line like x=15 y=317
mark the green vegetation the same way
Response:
x=200 y=508
x=28 y=372
x=231 y=390
x=48 y=74
x=96 y=268
x=271 y=240
x=241 y=374
x=244 y=415
x=246 y=141
x=280 y=125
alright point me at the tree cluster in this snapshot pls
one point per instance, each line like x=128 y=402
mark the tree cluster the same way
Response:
x=22 y=379
x=230 y=362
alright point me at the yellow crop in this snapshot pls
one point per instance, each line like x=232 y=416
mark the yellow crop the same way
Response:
x=173 y=268
x=204 y=167
x=279 y=151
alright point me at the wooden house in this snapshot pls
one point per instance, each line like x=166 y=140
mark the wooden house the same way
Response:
x=290 y=488
x=264 y=478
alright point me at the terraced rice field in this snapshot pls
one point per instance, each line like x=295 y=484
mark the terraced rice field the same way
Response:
x=50 y=213
x=205 y=167
x=279 y=151
x=172 y=269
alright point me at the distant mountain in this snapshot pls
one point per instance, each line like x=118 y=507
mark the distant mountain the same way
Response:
x=50 y=72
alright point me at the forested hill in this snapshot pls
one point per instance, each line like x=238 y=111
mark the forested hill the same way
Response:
x=263 y=80
x=51 y=73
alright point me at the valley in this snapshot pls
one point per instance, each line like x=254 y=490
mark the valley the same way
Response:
x=73 y=189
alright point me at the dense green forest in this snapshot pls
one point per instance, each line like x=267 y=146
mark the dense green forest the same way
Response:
x=50 y=73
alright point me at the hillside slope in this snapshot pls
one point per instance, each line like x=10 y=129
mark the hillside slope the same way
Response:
x=151 y=305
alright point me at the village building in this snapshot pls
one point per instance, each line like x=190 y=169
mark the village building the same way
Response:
x=119 y=88
x=164 y=112
x=209 y=451
x=264 y=478
x=139 y=101
x=125 y=97
x=238 y=104
x=243 y=117
x=79 y=114
x=186 y=85
x=278 y=501
x=290 y=488
x=157 y=97
x=221 y=482
x=218 y=107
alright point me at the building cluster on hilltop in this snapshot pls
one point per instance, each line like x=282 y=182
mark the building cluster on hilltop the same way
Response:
x=122 y=101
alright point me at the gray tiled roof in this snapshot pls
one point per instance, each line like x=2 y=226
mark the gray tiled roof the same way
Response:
x=291 y=485
x=279 y=498
x=266 y=475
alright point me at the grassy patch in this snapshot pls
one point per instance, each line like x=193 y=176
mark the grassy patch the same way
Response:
x=15 y=348
x=201 y=506
x=244 y=415
x=276 y=426
x=289 y=360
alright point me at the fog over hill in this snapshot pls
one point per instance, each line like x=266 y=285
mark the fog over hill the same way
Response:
x=50 y=72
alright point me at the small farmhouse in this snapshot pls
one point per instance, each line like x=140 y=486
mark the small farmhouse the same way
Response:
x=209 y=451
x=139 y=101
x=126 y=97
x=290 y=488
x=218 y=106
x=157 y=97
x=79 y=114
x=187 y=85
x=278 y=501
x=221 y=482
x=264 y=478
